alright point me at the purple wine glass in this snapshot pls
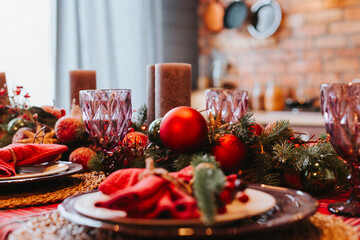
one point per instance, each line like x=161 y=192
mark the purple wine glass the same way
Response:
x=231 y=103
x=106 y=114
x=340 y=106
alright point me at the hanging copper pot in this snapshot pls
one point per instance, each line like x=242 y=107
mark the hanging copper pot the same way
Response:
x=213 y=16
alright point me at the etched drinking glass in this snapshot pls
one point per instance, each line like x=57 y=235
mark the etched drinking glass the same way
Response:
x=106 y=114
x=340 y=106
x=232 y=104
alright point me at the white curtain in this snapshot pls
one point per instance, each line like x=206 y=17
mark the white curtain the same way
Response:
x=117 y=38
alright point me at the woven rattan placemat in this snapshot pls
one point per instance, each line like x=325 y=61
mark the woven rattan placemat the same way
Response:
x=53 y=226
x=52 y=191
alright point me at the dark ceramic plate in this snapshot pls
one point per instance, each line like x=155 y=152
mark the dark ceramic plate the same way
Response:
x=73 y=168
x=291 y=207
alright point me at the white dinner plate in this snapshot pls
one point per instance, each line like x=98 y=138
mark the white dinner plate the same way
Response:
x=38 y=171
x=259 y=202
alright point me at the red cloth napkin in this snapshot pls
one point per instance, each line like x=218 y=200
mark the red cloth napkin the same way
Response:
x=128 y=177
x=120 y=179
x=27 y=154
x=153 y=197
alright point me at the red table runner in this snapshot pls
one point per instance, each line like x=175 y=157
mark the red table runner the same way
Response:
x=340 y=197
x=9 y=218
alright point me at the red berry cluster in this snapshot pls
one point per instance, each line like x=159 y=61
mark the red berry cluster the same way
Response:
x=233 y=189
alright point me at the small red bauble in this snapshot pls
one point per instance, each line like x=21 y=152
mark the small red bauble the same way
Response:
x=136 y=138
x=230 y=152
x=242 y=197
x=183 y=130
x=257 y=129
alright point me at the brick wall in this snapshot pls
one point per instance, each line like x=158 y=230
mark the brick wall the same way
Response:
x=318 y=42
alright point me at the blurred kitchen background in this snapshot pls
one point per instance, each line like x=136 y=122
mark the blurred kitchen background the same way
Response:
x=317 y=41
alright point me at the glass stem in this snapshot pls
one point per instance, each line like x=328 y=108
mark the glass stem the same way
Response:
x=354 y=178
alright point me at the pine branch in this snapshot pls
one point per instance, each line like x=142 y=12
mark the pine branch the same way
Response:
x=182 y=161
x=327 y=154
x=209 y=180
x=141 y=119
x=163 y=157
x=277 y=132
x=204 y=195
x=95 y=163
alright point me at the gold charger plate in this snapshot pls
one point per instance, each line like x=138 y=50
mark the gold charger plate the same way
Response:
x=258 y=203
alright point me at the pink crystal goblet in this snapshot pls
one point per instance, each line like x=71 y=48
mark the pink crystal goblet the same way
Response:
x=231 y=103
x=106 y=114
x=340 y=106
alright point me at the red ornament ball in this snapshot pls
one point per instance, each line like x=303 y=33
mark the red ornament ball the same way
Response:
x=230 y=152
x=136 y=139
x=82 y=155
x=257 y=129
x=242 y=197
x=183 y=130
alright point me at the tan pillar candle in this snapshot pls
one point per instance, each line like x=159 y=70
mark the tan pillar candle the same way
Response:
x=173 y=87
x=150 y=78
x=81 y=80
x=3 y=86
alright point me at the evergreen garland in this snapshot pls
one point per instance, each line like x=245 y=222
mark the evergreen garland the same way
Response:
x=270 y=156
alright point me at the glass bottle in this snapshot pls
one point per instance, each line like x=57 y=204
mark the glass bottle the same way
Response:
x=274 y=97
x=257 y=97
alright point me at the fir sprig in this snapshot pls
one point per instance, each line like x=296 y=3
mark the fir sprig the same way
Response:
x=310 y=158
x=209 y=181
x=141 y=119
x=181 y=161
x=275 y=133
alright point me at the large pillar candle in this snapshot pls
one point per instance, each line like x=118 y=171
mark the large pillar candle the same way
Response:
x=173 y=87
x=81 y=80
x=150 y=77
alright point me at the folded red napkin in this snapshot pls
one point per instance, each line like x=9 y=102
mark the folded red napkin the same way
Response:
x=27 y=154
x=153 y=197
x=120 y=179
x=128 y=177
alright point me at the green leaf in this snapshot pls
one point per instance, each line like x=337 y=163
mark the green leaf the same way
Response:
x=44 y=116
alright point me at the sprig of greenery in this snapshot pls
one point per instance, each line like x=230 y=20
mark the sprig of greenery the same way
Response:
x=208 y=181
